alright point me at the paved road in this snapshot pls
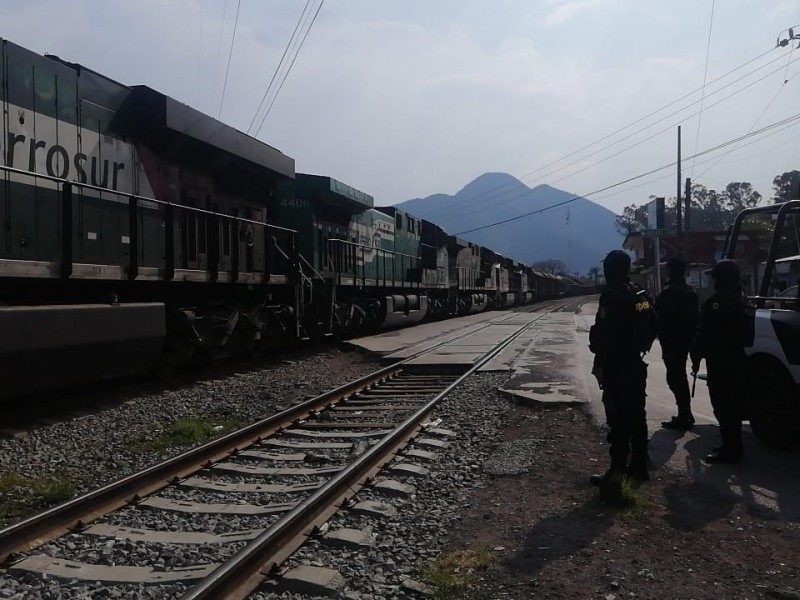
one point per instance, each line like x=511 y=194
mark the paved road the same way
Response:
x=768 y=480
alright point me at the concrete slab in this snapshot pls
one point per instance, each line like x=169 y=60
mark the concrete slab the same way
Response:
x=216 y=509
x=456 y=358
x=260 y=488
x=334 y=434
x=375 y=509
x=430 y=443
x=423 y=455
x=253 y=470
x=466 y=338
x=391 y=487
x=417 y=587
x=170 y=537
x=410 y=469
x=291 y=457
x=422 y=336
x=46 y=566
x=309 y=445
x=348 y=538
x=442 y=432
x=312 y=581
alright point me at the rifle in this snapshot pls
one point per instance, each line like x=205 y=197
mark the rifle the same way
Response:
x=694 y=382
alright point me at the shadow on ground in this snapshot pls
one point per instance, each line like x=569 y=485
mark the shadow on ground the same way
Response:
x=556 y=537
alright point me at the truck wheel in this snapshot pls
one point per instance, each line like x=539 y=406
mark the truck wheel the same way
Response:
x=774 y=408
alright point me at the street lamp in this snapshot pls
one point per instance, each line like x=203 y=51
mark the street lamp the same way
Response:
x=785 y=37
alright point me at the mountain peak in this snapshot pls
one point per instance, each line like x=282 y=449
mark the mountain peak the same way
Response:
x=579 y=233
x=491 y=182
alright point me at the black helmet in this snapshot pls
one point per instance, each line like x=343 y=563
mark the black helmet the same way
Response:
x=726 y=274
x=616 y=265
x=676 y=267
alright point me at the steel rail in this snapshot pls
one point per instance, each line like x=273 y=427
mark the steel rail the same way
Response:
x=76 y=513
x=248 y=568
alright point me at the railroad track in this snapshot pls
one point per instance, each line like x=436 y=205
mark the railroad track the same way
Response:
x=22 y=413
x=279 y=480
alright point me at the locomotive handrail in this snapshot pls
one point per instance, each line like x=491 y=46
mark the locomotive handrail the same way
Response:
x=310 y=266
x=145 y=198
x=349 y=243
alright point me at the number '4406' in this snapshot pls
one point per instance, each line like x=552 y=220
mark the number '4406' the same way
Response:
x=294 y=203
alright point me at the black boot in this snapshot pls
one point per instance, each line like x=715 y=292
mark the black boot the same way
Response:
x=637 y=472
x=679 y=423
x=612 y=473
x=724 y=456
x=610 y=484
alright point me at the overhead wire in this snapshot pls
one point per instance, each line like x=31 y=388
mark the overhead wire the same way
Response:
x=289 y=70
x=486 y=195
x=669 y=127
x=199 y=55
x=760 y=116
x=230 y=55
x=794 y=118
x=711 y=159
x=461 y=206
x=786 y=80
x=645 y=117
x=219 y=51
x=705 y=74
x=279 y=66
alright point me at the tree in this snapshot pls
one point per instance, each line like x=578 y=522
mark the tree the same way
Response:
x=740 y=195
x=710 y=210
x=786 y=186
x=632 y=219
x=593 y=274
x=553 y=266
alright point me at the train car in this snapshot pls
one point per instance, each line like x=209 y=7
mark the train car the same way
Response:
x=526 y=284
x=466 y=284
x=368 y=262
x=434 y=250
x=130 y=222
x=135 y=229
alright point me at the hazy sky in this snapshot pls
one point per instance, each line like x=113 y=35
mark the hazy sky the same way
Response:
x=406 y=98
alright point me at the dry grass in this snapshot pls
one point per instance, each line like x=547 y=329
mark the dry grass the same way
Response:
x=452 y=573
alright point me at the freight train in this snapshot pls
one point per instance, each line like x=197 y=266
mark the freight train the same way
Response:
x=136 y=228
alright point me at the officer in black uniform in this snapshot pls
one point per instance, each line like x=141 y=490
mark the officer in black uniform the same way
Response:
x=623 y=331
x=678 y=316
x=726 y=328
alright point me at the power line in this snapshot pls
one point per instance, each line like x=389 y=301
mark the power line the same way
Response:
x=289 y=70
x=669 y=127
x=793 y=118
x=645 y=117
x=461 y=206
x=760 y=116
x=705 y=73
x=278 y=67
x=486 y=194
x=199 y=55
x=219 y=51
x=230 y=55
x=711 y=159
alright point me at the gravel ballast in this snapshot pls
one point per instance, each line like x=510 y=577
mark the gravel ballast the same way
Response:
x=405 y=544
x=94 y=449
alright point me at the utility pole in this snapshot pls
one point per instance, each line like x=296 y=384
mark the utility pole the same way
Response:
x=678 y=222
x=687 y=222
